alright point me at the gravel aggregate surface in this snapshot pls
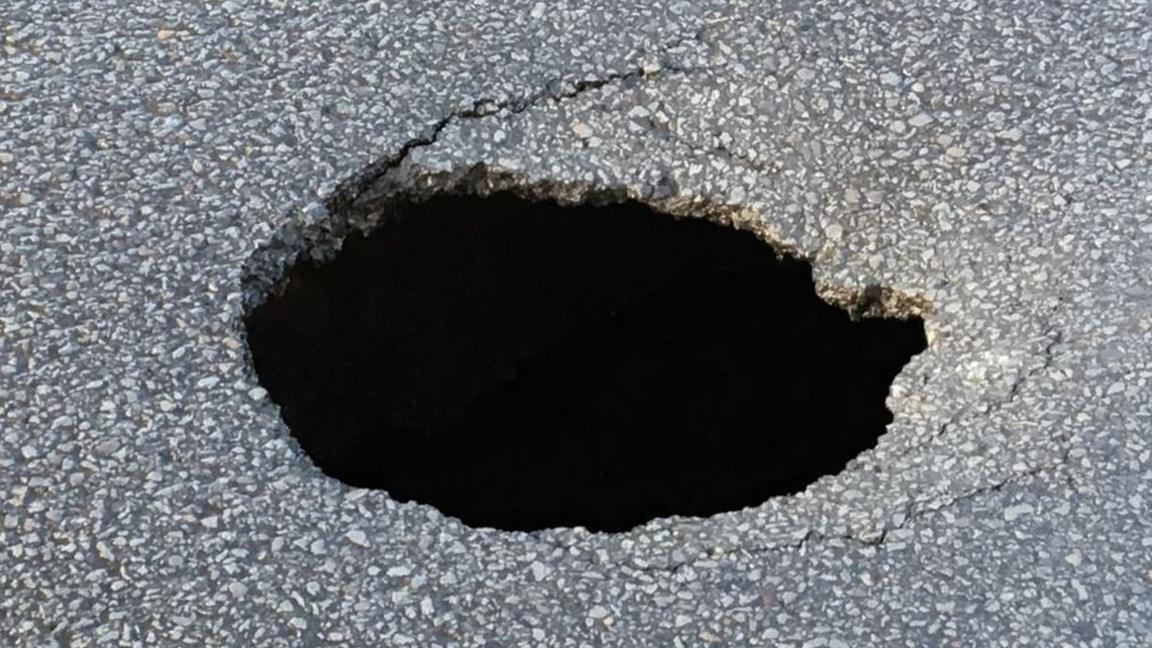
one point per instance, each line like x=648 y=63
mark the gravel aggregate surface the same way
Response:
x=988 y=163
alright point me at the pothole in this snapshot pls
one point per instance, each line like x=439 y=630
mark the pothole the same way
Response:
x=525 y=365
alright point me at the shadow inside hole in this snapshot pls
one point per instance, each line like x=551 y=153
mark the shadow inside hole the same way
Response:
x=524 y=365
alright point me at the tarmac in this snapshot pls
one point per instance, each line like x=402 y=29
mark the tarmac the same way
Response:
x=162 y=163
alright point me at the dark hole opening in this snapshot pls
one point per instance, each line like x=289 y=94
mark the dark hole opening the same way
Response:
x=525 y=365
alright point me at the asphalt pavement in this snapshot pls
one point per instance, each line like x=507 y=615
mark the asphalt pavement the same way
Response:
x=162 y=162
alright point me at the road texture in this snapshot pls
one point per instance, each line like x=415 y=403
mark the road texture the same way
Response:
x=161 y=162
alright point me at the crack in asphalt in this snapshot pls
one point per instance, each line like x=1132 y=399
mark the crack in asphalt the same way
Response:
x=556 y=90
x=1048 y=355
x=1048 y=358
x=315 y=220
x=911 y=512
